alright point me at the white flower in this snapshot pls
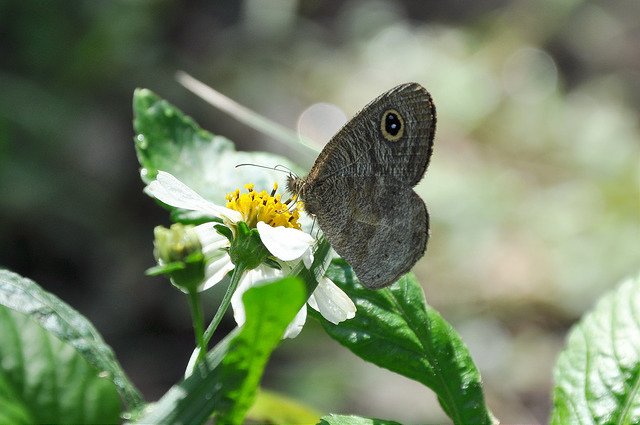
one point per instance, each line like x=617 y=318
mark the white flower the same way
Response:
x=286 y=243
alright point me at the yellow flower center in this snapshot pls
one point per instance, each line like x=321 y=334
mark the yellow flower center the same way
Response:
x=263 y=206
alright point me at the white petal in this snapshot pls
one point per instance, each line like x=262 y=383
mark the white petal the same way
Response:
x=308 y=223
x=285 y=243
x=192 y=362
x=332 y=302
x=249 y=279
x=307 y=258
x=217 y=270
x=172 y=191
x=296 y=325
x=236 y=299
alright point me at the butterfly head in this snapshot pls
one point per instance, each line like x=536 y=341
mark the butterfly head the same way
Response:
x=295 y=185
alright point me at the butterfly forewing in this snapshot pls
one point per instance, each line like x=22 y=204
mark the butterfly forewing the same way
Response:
x=360 y=147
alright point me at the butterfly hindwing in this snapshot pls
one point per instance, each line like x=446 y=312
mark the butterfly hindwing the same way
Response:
x=380 y=228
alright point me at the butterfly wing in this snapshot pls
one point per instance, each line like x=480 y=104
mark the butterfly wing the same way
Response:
x=363 y=147
x=360 y=187
x=379 y=226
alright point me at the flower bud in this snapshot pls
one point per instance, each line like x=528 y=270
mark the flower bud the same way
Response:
x=178 y=252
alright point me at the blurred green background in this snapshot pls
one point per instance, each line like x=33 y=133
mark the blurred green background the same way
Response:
x=533 y=189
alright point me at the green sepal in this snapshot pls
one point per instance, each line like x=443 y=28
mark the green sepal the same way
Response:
x=272 y=263
x=192 y=275
x=246 y=248
x=186 y=275
x=192 y=217
x=224 y=231
x=164 y=269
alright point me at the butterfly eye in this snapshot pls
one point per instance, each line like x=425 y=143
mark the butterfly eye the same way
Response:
x=392 y=125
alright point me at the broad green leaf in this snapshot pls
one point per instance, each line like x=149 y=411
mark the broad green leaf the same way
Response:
x=45 y=380
x=65 y=323
x=225 y=383
x=322 y=256
x=394 y=328
x=353 y=420
x=597 y=376
x=13 y=410
x=273 y=408
x=168 y=140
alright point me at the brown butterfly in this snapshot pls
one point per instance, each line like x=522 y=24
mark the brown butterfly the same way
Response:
x=360 y=188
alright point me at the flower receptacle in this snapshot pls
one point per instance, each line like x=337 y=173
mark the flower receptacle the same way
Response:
x=247 y=249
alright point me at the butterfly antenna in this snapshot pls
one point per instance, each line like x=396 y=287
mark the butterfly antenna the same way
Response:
x=264 y=166
x=285 y=169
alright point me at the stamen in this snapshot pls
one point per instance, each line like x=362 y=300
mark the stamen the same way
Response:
x=264 y=206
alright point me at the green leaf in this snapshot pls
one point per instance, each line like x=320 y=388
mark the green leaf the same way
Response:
x=225 y=383
x=13 y=410
x=62 y=321
x=45 y=380
x=394 y=328
x=353 y=420
x=322 y=257
x=597 y=376
x=168 y=140
x=273 y=408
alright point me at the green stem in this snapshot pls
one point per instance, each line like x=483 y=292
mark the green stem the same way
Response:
x=197 y=318
x=310 y=277
x=224 y=306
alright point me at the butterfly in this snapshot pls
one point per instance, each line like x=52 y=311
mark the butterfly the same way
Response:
x=360 y=188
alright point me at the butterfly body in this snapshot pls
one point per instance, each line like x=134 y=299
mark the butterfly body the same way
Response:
x=360 y=188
